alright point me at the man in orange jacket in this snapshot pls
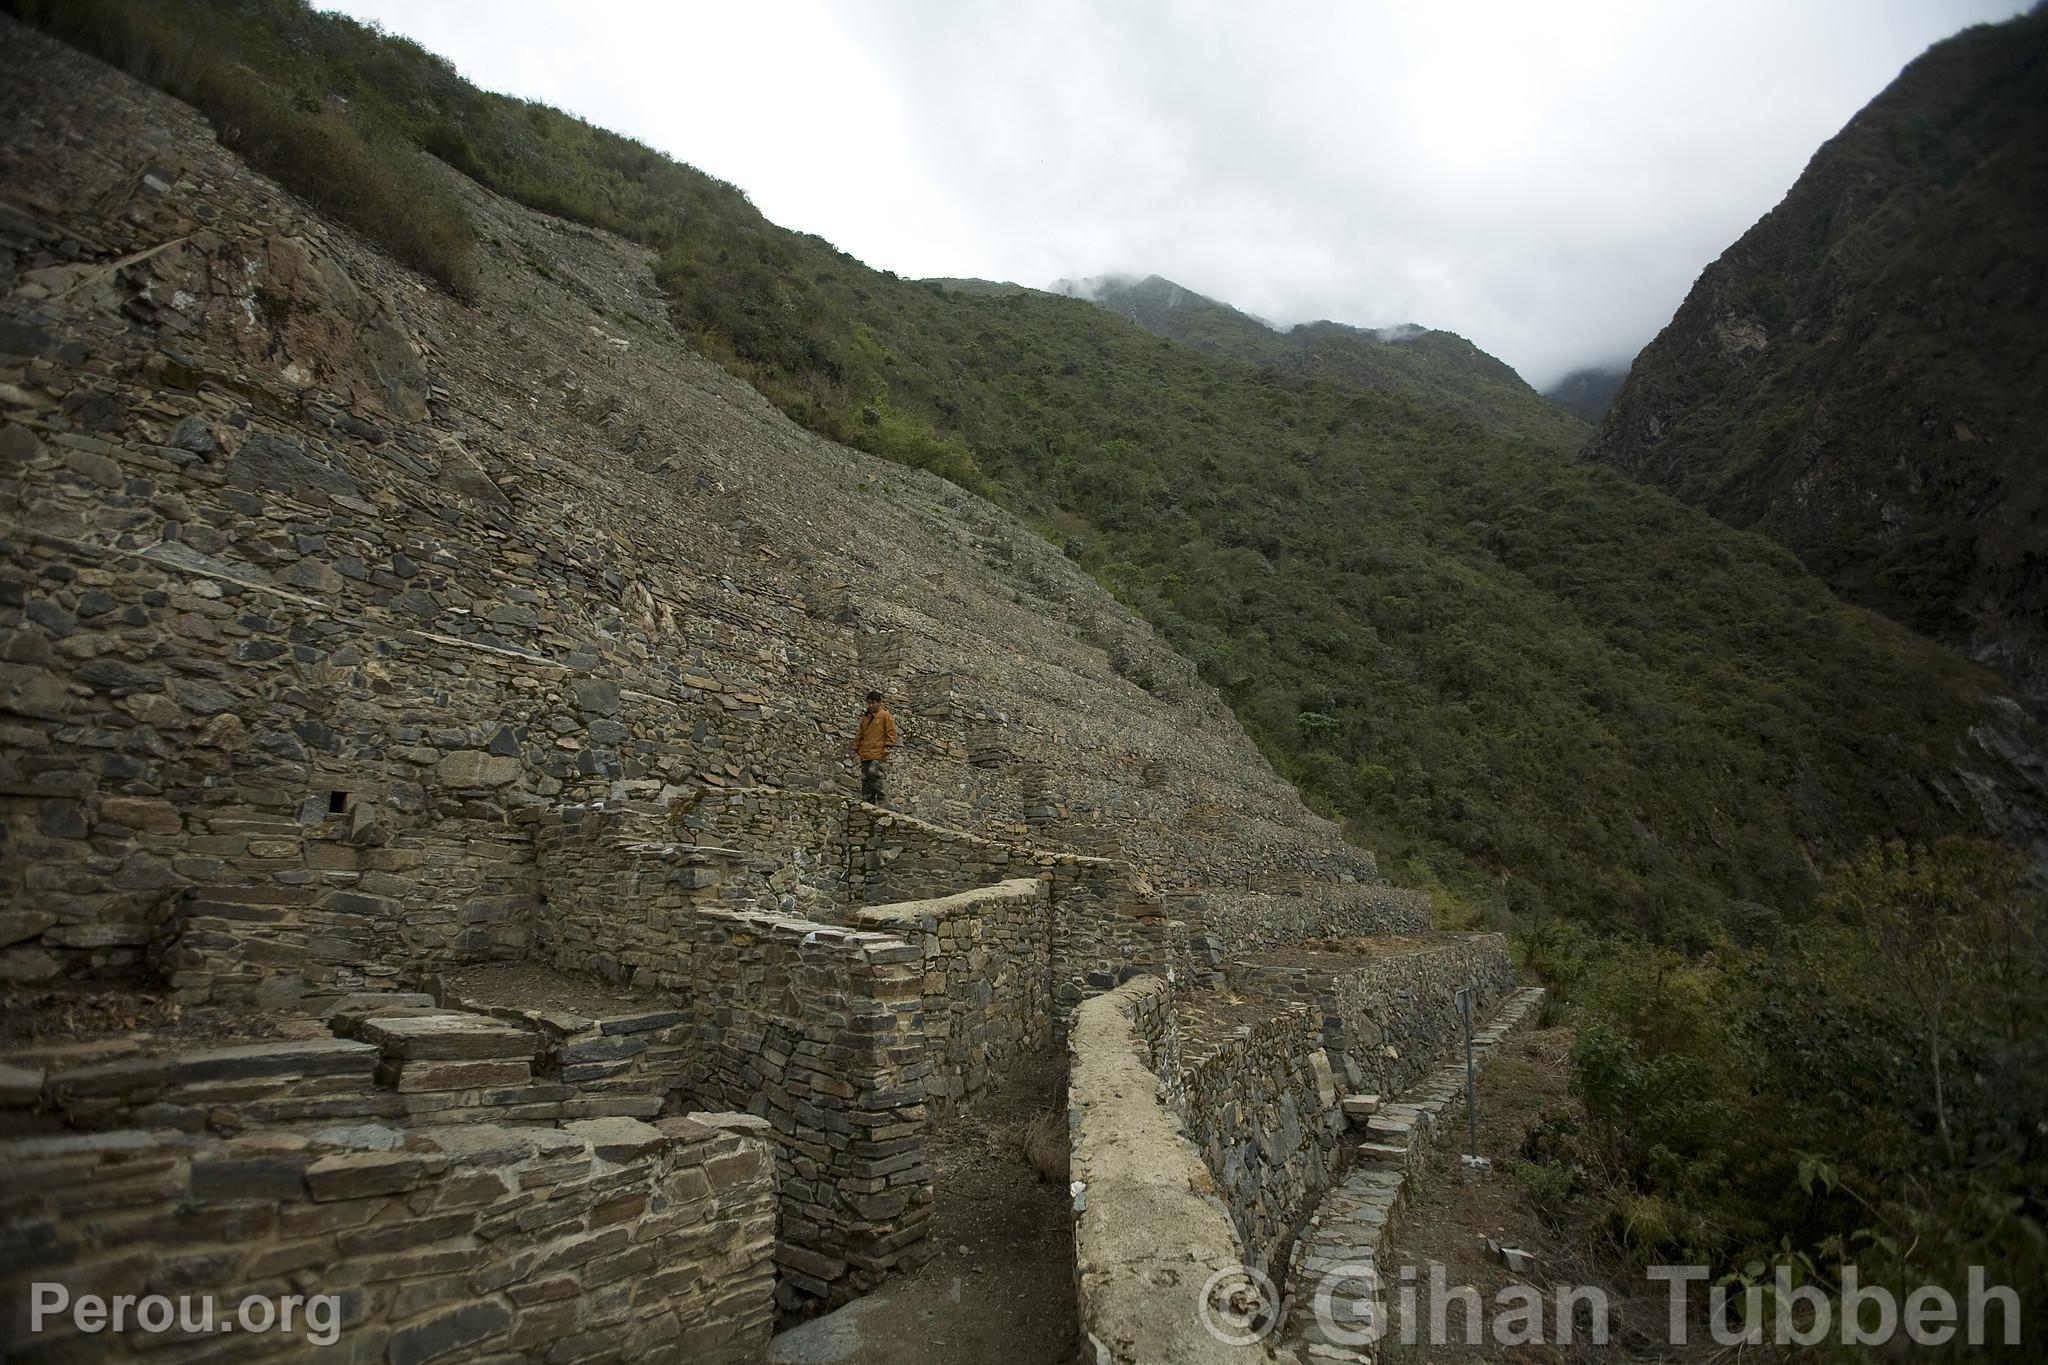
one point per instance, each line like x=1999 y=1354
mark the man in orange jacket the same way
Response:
x=871 y=744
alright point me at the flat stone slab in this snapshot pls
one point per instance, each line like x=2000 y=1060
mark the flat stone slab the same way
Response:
x=369 y=1002
x=306 y=1057
x=642 y=1023
x=417 y=1076
x=617 y=1139
x=20 y=1085
x=448 y=1038
x=830 y=1338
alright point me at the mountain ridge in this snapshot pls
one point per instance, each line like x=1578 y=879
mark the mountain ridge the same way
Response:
x=1407 y=358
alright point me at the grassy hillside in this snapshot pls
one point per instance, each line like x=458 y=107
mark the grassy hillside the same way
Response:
x=1863 y=376
x=1533 y=682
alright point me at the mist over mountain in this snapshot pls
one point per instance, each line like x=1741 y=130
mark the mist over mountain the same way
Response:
x=1588 y=393
x=1863 y=376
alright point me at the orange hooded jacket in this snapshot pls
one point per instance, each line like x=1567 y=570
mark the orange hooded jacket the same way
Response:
x=877 y=732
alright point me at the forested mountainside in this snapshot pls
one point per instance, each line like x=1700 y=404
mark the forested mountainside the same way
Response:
x=1524 y=679
x=1587 y=393
x=1657 y=748
x=1863 y=376
x=1440 y=369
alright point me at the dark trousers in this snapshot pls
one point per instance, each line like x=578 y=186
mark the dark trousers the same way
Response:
x=871 y=780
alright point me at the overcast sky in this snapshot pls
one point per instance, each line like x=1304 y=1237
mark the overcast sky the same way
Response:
x=1547 y=179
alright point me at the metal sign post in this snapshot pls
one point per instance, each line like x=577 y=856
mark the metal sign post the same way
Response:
x=1471 y=1090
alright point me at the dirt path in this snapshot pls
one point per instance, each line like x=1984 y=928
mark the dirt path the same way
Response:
x=1000 y=1286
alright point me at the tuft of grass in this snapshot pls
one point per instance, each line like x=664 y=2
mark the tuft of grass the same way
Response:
x=1043 y=1140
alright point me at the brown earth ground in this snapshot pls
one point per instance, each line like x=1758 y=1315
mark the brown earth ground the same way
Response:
x=537 y=986
x=1445 y=1218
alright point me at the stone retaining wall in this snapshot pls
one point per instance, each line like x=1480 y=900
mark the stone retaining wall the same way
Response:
x=1260 y=1105
x=819 y=1029
x=1149 y=1229
x=600 y=1240
x=1108 y=923
x=1241 y=923
x=441 y=897
x=794 y=846
x=1387 y=1023
x=617 y=900
x=986 y=971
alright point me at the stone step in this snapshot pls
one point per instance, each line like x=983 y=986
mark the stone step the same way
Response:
x=1351 y=1223
x=447 y=1037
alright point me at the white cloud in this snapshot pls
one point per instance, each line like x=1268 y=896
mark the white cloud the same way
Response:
x=1546 y=179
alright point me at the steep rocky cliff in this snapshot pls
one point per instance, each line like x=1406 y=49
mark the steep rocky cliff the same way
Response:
x=1864 y=375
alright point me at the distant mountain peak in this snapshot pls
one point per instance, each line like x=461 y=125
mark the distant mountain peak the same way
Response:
x=1434 y=368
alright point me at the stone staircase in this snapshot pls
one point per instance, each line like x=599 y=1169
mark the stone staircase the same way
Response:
x=1347 y=1234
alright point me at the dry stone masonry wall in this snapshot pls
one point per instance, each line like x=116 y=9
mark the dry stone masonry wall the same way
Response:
x=1261 y=1106
x=601 y=1240
x=819 y=1029
x=619 y=901
x=1386 y=1023
x=1241 y=923
x=985 y=969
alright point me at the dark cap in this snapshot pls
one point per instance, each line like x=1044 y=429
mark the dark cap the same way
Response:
x=874 y=696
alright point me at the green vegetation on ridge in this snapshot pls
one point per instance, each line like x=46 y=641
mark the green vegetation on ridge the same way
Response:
x=1559 y=698
x=1439 y=369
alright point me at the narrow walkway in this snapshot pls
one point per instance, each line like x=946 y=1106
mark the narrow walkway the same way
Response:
x=999 y=1289
x=1347 y=1234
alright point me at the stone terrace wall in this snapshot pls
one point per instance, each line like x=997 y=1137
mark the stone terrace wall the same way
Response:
x=618 y=900
x=987 y=973
x=1387 y=1023
x=815 y=1027
x=1108 y=923
x=795 y=854
x=1149 y=1230
x=428 y=897
x=603 y=1240
x=1241 y=923
x=820 y=1030
x=279 y=523
x=1260 y=1105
